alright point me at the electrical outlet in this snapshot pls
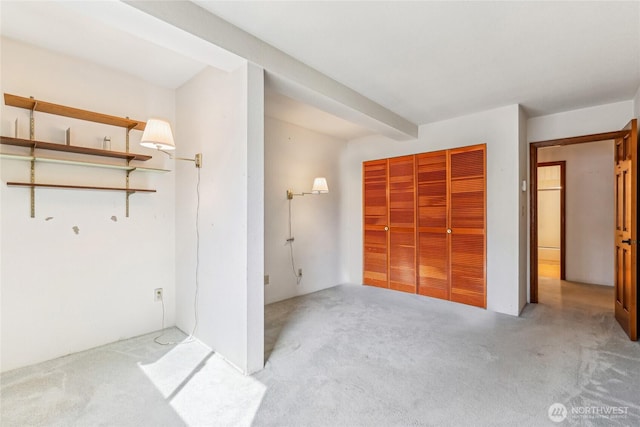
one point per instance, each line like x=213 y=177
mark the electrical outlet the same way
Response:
x=157 y=294
x=266 y=279
x=299 y=272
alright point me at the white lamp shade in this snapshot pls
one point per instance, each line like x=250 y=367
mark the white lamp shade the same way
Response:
x=320 y=186
x=157 y=134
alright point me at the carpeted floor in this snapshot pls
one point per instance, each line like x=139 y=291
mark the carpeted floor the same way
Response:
x=358 y=356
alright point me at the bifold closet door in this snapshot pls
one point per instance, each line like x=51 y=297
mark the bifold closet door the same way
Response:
x=425 y=224
x=433 y=239
x=402 y=224
x=375 y=211
x=467 y=222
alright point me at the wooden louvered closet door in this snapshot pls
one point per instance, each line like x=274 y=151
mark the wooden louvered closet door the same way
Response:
x=433 y=240
x=375 y=212
x=425 y=224
x=402 y=221
x=467 y=222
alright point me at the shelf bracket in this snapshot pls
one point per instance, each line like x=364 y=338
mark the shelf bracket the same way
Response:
x=32 y=137
x=126 y=141
x=127 y=194
x=32 y=120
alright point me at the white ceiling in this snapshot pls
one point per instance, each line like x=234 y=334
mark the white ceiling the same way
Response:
x=426 y=61
x=429 y=61
x=115 y=35
x=123 y=38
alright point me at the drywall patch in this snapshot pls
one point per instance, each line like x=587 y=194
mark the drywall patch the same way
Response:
x=49 y=218
x=114 y=218
x=76 y=229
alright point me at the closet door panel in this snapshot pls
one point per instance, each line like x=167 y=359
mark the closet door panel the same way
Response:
x=402 y=193
x=467 y=188
x=432 y=189
x=433 y=265
x=467 y=269
x=402 y=222
x=375 y=220
x=433 y=246
x=375 y=258
x=467 y=194
x=375 y=193
x=402 y=261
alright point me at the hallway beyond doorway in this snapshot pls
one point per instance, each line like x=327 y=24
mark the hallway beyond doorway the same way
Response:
x=572 y=295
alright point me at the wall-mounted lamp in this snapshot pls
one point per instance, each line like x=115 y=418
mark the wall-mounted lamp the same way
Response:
x=319 y=187
x=157 y=134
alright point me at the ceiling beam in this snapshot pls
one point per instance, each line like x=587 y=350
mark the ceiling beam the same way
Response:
x=195 y=20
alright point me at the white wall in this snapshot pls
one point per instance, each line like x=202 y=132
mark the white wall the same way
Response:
x=293 y=157
x=636 y=104
x=602 y=118
x=500 y=130
x=215 y=117
x=64 y=292
x=253 y=131
x=523 y=236
x=589 y=209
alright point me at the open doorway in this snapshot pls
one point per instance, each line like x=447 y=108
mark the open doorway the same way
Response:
x=580 y=276
x=551 y=219
x=601 y=237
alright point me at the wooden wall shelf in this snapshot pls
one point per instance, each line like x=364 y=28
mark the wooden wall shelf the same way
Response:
x=80 y=187
x=80 y=163
x=19 y=142
x=34 y=105
x=74 y=113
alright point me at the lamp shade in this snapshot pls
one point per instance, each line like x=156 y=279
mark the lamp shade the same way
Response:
x=320 y=186
x=157 y=134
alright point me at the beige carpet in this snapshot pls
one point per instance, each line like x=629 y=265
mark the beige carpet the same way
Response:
x=358 y=356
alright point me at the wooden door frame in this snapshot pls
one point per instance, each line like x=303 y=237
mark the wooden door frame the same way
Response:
x=533 y=195
x=563 y=230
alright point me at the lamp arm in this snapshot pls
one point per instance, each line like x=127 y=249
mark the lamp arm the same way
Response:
x=319 y=187
x=197 y=159
x=290 y=194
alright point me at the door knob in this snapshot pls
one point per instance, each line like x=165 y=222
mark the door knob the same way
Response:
x=386 y=228
x=627 y=241
x=448 y=231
